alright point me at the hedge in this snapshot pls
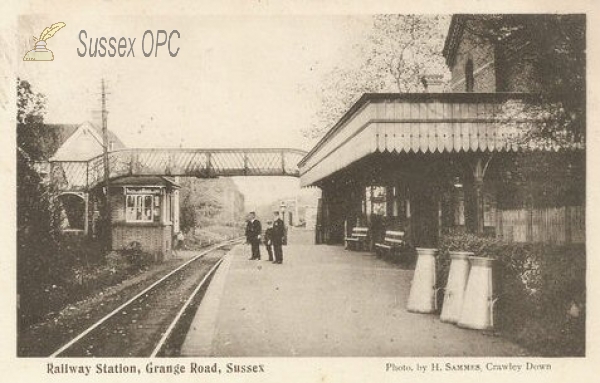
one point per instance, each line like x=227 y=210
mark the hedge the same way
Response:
x=541 y=288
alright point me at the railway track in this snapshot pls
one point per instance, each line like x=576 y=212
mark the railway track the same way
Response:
x=153 y=321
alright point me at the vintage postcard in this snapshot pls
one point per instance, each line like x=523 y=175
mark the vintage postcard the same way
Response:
x=298 y=191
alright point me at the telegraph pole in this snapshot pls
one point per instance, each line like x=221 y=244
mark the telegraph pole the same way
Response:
x=105 y=143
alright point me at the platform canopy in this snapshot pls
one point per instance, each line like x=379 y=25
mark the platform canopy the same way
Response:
x=424 y=123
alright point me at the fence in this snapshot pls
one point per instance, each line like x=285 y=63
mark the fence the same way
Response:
x=556 y=225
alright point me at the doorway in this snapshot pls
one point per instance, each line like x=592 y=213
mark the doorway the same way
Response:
x=425 y=218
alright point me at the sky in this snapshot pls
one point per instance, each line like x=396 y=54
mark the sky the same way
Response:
x=237 y=81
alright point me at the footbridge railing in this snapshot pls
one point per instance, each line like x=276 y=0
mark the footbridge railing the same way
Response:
x=202 y=163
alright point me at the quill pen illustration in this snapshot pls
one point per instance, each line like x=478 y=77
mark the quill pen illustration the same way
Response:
x=50 y=31
x=40 y=51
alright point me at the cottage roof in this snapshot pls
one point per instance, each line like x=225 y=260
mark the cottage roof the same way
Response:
x=68 y=144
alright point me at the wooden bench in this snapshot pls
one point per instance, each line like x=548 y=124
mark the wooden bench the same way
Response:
x=359 y=238
x=392 y=242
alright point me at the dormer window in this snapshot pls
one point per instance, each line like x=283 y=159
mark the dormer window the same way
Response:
x=469 y=76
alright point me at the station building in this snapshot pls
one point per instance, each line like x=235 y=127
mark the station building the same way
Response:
x=460 y=161
x=143 y=209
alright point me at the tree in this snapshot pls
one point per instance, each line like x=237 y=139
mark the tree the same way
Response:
x=34 y=141
x=405 y=47
x=208 y=202
x=556 y=43
x=399 y=50
x=188 y=220
x=341 y=88
x=39 y=268
x=402 y=48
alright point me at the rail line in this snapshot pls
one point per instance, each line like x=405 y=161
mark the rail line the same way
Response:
x=144 y=293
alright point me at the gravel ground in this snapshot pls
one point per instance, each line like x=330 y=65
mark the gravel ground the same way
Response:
x=45 y=337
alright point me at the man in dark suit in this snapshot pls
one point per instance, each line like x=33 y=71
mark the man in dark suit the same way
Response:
x=253 y=231
x=268 y=241
x=277 y=235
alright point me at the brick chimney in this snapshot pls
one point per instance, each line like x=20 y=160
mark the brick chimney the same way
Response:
x=433 y=83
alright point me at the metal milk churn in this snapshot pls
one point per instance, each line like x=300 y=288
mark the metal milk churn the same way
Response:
x=455 y=287
x=478 y=302
x=422 y=298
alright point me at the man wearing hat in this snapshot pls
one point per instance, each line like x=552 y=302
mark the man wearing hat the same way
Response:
x=268 y=240
x=253 y=230
x=277 y=235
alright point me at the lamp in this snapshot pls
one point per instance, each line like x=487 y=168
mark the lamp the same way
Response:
x=282 y=206
x=457 y=182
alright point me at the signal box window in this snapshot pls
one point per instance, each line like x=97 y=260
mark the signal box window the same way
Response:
x=142 y=208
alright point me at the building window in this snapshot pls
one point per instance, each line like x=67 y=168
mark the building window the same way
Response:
x=459 y=206
x=376 y=200
x=489 y=209
x=469 y=76
x=395 y=202
x=142 y=208
x=399 y=202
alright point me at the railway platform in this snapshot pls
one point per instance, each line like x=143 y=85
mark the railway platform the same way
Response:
x=322 y=301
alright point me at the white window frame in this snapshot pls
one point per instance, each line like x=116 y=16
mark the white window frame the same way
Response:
x=139 y=206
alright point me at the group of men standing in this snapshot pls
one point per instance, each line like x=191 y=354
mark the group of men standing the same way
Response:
x=273 y=238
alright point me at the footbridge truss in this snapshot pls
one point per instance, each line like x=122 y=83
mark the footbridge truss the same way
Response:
x=201 y=163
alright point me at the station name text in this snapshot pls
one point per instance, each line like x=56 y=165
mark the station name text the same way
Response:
x=153 y=44
x=154 y=368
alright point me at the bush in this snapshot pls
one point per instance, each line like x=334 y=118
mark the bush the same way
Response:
x=541 y=289
x=135 y=256
x=40 y=266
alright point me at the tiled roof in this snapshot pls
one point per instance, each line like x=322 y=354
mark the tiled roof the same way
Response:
x=64 y=131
